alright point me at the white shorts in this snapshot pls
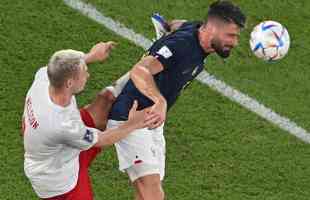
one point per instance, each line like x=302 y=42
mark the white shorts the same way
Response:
x=142 y=152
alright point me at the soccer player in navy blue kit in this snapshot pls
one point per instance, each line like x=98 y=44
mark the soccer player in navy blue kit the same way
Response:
x=157 y=80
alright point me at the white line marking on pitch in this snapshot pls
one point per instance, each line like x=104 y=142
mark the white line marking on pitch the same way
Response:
x=210 y=80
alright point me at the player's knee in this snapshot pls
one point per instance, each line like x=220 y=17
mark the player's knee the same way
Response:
x=152 y=189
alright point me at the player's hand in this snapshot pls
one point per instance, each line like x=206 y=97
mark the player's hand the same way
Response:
x=99 y=52
x=160 y=110
x=141 y=119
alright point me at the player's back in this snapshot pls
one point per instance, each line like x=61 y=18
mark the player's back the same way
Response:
x=47 y=158
x=43 y=119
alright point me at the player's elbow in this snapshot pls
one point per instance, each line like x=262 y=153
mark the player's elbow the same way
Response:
x=139 y=71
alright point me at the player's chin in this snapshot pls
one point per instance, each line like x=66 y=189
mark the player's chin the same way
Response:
x=224 y=53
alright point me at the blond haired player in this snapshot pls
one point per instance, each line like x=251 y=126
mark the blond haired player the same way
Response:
x=60 y=141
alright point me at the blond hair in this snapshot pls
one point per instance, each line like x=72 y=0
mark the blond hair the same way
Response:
x=64 y=64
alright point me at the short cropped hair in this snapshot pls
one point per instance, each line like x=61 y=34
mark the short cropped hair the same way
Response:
x=227 y=12
x=64 y=64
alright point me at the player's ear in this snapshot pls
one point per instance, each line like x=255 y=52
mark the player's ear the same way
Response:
x=213 y=29
x=69 y=83
x=209 y=28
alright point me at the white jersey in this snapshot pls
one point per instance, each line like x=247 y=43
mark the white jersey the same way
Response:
x=53 y=138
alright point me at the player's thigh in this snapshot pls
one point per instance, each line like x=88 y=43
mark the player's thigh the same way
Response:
x=155 y=165
x=143 y=151
x=138 y=171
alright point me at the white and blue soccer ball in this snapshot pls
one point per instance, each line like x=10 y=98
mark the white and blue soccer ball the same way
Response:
x=270 y=41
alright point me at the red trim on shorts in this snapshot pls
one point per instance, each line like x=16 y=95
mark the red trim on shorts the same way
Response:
x=138 y=161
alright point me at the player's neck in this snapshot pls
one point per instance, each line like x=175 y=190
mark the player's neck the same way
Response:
x=59 y=96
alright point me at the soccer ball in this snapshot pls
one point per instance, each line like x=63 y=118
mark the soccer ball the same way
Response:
x=270 y=41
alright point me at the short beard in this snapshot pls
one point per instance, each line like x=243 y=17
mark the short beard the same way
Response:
x=215 y=44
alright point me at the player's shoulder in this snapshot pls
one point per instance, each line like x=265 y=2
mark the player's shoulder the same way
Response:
x=190 y=25
x=63 y=118
x=69 y=117
x=179 y=43
x=186 y=34
x=188 y=28
x=41 y=74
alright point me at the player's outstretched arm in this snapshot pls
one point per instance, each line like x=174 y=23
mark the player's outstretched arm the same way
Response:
x=99 y=52
x=136 y=120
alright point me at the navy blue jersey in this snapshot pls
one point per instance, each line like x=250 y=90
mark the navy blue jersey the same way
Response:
x=182 y=57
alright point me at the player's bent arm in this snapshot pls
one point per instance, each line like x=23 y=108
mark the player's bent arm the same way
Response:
x=111 y=136
x=136 y=120
x=142 y=76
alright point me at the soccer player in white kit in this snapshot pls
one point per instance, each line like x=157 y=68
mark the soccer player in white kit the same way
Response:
x=60 y=141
